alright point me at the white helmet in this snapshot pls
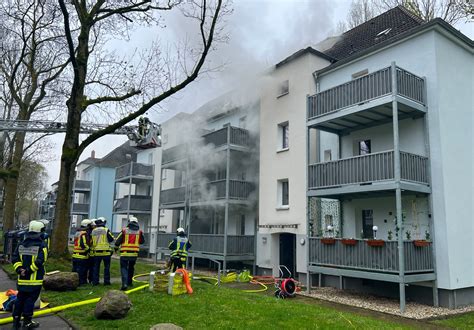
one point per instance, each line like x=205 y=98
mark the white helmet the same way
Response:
x=85 y=222
x=35 y=226
x=180 y=230
x=133 y=219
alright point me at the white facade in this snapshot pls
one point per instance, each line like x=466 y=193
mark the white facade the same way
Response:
x=278 y=163
x=448 y=66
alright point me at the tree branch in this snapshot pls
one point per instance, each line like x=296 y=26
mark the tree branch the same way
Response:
x=111 y=98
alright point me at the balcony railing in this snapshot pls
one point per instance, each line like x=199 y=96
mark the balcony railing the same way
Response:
x=133 y=169
x=368 y=258
x=173 y=196
x=138 y=203
x=80 y=208
x=367 y=169
x=217 y=190
x=173 y=154
x=82 y=185
x=364 y=89
x=238 y=136
x=214 y=244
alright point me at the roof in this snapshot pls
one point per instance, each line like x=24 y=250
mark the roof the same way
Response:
x=437 y=22
x=377 y=30
x=89 y=161
x=118 y=156
x=301 y=52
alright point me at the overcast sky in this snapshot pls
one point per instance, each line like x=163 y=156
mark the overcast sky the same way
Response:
x=262 y=32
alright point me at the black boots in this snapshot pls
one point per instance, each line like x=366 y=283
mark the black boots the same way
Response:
x=28 y=323
x=16 y=323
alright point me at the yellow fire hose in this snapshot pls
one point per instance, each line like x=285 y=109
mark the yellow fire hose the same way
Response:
x=63 y=307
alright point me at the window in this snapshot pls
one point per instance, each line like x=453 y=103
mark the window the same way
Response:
x=283 y=136
x=360 y=74
x=283 y=193
x=327 y=155
x=364 y=147
x=242 y=122
x=283 y=88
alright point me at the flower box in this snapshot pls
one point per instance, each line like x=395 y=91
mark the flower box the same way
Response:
x=349 y=241
x=328 y=241
x=421 y=243
x=375 y=242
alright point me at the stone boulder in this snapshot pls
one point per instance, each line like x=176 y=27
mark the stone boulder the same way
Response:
x=62 y=281
x=165 y=326
x=113 y=305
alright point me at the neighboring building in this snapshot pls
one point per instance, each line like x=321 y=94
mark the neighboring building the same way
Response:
x=400 y=111
x=214 y=169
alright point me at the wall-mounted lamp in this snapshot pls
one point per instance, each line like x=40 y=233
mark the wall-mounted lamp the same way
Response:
x=374 y=229
x=302 y=241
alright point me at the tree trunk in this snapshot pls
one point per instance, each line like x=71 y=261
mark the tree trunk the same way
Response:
x=12 y=183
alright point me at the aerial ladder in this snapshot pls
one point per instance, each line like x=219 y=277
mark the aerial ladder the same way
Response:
x=143 y=136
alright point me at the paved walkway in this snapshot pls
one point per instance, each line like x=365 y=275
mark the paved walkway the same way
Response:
x=46 y=322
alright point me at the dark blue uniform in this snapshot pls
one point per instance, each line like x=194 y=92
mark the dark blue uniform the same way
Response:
x=28 y=262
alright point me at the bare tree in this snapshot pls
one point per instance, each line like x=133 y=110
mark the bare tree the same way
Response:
x=123 y=89
x=32 y=57
x=452 y=11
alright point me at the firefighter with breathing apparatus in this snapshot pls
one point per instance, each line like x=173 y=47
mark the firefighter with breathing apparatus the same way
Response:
x=80 y=254
x=179 y=247
x=101 y=237
x=128 y=241
x=28 y=262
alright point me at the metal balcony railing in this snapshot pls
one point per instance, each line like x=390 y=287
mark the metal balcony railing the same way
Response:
x=214 y=244
x=364 y=89
x=134 y=170
x=174 y=154
x=368 y=258
x=80 y=208
x=138 y=203
x=82 y=185
x=238 y=136
x=173 y=196
x=238 y=189
x=367 y=169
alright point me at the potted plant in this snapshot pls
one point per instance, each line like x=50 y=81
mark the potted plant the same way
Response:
x=375 y=242
x=423 y=242
x=389 y=235
x=349 y=241
x=408 y=235
x=328 y=240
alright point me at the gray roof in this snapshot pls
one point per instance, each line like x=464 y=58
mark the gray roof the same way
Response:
x=379 y=29
x=118 y=156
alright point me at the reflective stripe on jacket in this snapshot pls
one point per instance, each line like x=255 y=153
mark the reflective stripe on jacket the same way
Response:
x=81 y=245
x=179 y=247
x=29 y=257
x=101 y=239
x=129 y=240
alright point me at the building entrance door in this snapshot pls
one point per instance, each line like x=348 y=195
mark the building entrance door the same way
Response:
x=368 y=223
x=288 y=252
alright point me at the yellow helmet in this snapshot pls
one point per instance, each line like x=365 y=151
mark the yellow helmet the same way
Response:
x=35 y=226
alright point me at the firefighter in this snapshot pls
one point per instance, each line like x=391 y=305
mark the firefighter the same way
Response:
x=80 y=254
x=90 y=261
x=101 y=250
x=129 y=241
x=28 y=262
x=44 y=234
x=179 y=247
x=143 y=127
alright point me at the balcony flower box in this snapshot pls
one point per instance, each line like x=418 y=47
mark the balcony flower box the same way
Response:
x=421 y=243
x=349 y=241
x=328 y=241
x=375 y=242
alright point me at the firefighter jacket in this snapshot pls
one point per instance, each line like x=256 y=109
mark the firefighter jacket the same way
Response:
x=129 y=240
x=101 y=238
x=179 y=247
x=81 y=244
x=46 y=240
x=29 y=258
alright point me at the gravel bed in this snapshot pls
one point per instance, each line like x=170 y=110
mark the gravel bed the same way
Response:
x=390 y=306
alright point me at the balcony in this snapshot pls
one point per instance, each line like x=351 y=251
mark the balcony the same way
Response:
x=341 y=259
x=174 y=154
x=237 y=137
x=136 y=172
x=237 y=245
x=138 y=204
x=80 y=208
x=372 y=172
x=366 y=101
x=216 y=190
x=82 y=186
x=173 y=197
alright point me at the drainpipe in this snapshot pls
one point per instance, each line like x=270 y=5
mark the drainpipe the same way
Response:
x=227 y=187
x=398 y=191
x=308 y=211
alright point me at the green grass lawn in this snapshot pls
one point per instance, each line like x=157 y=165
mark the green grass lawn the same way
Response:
x=465 y=321
x=212 y=307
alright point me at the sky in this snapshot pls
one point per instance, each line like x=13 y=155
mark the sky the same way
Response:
x=261 y=33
